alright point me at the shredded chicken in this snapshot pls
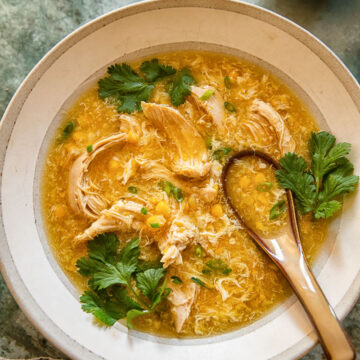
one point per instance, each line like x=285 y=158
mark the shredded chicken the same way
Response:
x=83 y=198
x=182 y=297
x=124 y=215
x=284 y=139
x=154 y=170
x=220 y=287
x=214 y=106
x=181 y=233
x=192 y=158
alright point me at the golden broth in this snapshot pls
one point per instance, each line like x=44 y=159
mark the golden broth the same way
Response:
x=254 y=285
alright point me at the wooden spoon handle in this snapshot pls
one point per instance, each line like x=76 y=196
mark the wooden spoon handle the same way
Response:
x=335 y=341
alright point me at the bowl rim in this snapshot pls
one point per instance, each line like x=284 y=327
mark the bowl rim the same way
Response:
x=13 y=280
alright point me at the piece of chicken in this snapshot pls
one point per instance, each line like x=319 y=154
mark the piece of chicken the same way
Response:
x=124 y=215
x=182 y=232
x=83 y=198
x=266 y=111
x=182 y=298
x=191 y=159
x=154 y=170
x=214 y=106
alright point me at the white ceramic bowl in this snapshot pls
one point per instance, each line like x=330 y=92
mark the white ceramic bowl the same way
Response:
x=286 y=50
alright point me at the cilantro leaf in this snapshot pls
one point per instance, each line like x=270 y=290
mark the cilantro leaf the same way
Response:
x=121 y=297
x=126 y=86
x=199 y=282
x=327 y=209
x=111 y=275
x=292 y=176
x=100 y=308
x=148 y=281
x=163 y=293
x=102 y=264
x=154 y=71
x=180 y=88
x=101 y=250
x=336 y=184
x=130 y=253
x=133 y=101
x=145 y=265
x=325 y=154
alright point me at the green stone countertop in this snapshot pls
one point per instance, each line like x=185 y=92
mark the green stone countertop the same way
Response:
x=28 y=29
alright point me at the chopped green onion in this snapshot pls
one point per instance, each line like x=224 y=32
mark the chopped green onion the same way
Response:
x=198 y=251
x=68 y=129
x=264 y=187
x=89 y=148
x=277 y=209
x=176 y=280
x=206 y=271
x=179 y=196
x=229 y=107
x=144 y=210
x=167 y=186
x=155 y=225
x=219 y=266
x=199 y=282
x=207 y=94
x=133 y=189
x=227 y=271
x=208 y=143
x=167 y=292
x=216 y=264
x=227 y=82
x=220 y=153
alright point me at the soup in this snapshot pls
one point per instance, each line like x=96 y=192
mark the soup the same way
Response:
x=152 y=171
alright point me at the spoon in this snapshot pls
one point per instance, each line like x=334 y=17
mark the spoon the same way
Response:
x=286 y=251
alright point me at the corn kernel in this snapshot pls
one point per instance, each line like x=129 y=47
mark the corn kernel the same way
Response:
x=259 y=178
x=113 y=164
x=262 y=199
x=259 y=225
x=156 y=221
x=154 y=200
x=192 y=202
x=59 y=211
x=216 y=210
x=162 y=208
x=244 y=182
x=133 y=138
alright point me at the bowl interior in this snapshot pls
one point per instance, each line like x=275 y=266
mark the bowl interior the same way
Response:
x=242 y=30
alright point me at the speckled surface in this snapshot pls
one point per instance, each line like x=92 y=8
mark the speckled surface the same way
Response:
x=28 y=29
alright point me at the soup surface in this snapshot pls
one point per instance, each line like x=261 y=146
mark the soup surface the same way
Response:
x=156 y=174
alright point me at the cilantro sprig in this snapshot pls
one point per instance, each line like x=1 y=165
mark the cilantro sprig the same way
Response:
x=120 y=286
x=317 y=187
x=125 y=86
